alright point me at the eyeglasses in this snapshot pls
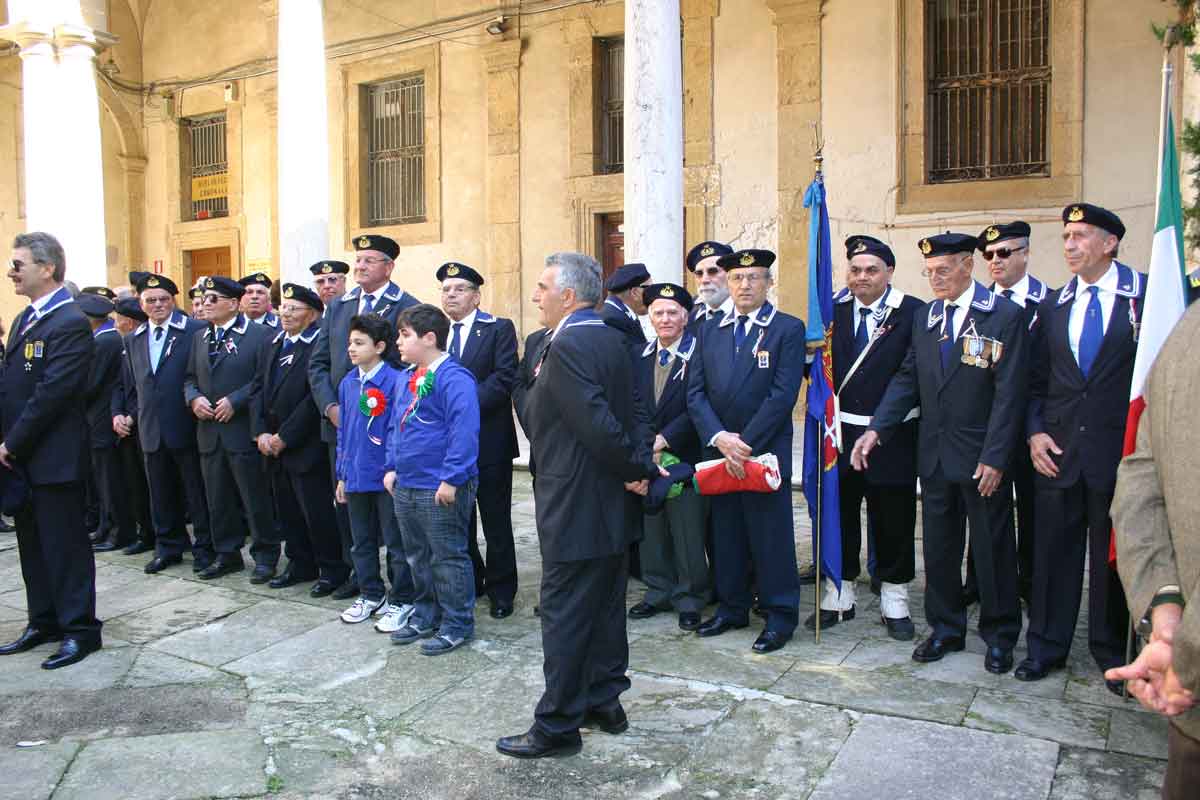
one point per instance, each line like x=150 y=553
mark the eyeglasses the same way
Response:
x=1002 y=252
x=370 y=260
x=739 y=278
x=19 y=265
x=941 y=273
x=155 y=301
x=214 y=298
x=710 y=272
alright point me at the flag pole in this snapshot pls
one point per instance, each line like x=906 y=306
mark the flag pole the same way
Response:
x=819 y=177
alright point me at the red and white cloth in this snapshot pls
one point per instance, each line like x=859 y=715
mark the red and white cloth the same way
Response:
x=762 y=475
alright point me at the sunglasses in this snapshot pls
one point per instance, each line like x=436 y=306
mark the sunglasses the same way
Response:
x=1003 y=252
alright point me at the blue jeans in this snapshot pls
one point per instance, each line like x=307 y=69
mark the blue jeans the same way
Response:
x=372 y=523
x=435 y=541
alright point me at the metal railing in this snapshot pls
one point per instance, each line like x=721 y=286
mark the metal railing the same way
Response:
x=396 y=151
x=207 y=157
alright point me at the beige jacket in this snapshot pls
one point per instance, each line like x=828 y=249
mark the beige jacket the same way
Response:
x=1156 y=510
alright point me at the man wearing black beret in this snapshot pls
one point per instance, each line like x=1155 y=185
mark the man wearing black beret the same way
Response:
x=329 y=279
x=256 y=302
x=624 y=303
x=712 y=289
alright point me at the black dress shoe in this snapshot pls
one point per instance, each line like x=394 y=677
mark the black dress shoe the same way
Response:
x=900 y=628
x=222 y=566
x=30 y=638
x=688 y=620
x=346 y=590
x=934 y=649
x=613 y=721
x=809 y=574
x=536 y=745
x=770 y=641
x=262 y=573
x=159 y=563
x=829 y=618
x=501 y=610
x=642 y=610
x=289 y=577
x=322 y=588
x=718 y=625
x=1031 y=669
x=95 y=537
x=8 y=527
x=201 y=564
x=70 y=652
x=998 y=660
x=107 y=546
x=138 y=547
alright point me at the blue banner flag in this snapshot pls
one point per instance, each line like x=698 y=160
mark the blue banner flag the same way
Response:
x=820 y=423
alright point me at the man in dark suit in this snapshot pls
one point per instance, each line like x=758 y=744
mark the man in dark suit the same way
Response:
x=872 y=330
x=374 y=261
x=487 y=346
x=157 y=353
x=967 y=369
x=127 y=317
x=44 y=453
x=712 y=289
x=329 y=280
x=531 y=356
x=590 y=444
x=1083 y=355
x=221 y=388
x=256 y=302
x=624 y=305
x=741 y=392
x=287 y=431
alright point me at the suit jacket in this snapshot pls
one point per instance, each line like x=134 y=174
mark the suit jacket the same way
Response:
x=588 y=437
x=755 y=395
x=233 y=374
x=155 y=399
x=328 y=362
x=1085 y=416
x=104 y=378
x=42 y=382
x=285 y=404
x=525 y=376
x=669 y=416
x=491 y=356
x=969 y=415
x=701 y=316
x=1156 y=510
x=858 y=397
x=613 y=313
x=1037 y=293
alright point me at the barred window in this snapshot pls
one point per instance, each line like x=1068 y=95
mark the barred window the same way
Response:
x=206 y=167
x=988 y=72
x=610 y=113
x=395 y=184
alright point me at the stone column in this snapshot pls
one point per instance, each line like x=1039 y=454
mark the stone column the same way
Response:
x=503 y=293
x=303 y=136
x=654 y=138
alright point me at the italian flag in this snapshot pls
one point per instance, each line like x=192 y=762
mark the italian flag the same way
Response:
x=1166 y=289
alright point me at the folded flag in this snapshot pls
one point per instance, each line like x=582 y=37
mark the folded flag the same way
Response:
x=762 y=475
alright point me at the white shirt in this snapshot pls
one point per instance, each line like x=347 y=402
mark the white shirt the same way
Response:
x=363 y=377
x=437 y=362
x=962 y=304
x=673 y=348
x=749 y=322
x=467 y=322
x=1020 y=290
x=1108 y=298
x=870 y=318
x=707 y=311
x=376 y=295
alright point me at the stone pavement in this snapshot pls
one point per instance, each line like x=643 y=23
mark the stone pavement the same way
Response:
x=223 y=689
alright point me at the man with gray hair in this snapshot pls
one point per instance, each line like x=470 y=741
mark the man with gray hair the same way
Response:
x=592 y=447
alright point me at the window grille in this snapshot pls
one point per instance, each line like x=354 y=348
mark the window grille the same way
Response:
x=612 y=105
x=396 y=151
x=208 y=166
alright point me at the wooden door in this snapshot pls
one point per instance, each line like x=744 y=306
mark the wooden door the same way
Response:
x=612 y=242
x=209 y=261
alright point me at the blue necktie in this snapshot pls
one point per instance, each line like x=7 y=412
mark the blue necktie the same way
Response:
x=218 y=336
x=455 y=341
x=860 y=335
x=158 y=334
x=664 y=356
x=368 y=304
x=739 y=334
x=947 y=342
x=1093 y=332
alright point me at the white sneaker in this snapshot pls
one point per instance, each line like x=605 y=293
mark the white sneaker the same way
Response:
x=361 y=611
x=393 y=617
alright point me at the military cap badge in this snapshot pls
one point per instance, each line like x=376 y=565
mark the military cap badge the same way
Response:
x=926 y=246
x=152 y=281
x=992 y=233
x=666 y=291
x=452 y=270
x=706 y=251
x=289 y=292
x=747 y=260
x=210 y=284
x=1076 y=215
x=326 y=269
x=364 y=243
x=861 y=247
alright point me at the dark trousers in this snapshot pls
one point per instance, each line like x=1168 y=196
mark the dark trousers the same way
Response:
x=176 y=479
x=1183 y=766
x=1022 y=471
x=891 y=515
x=116 y=508
x=137 y=493
x=341 y=513
x=497 y=576
x=304 y=503
x=57 y=562
x=373 y=521
x=755 y=530
x=584 y=643
x=1073 y=522
x=239 y=494
x=674 y=567
x=945 y=505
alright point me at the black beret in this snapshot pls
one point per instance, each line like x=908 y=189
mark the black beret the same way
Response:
x=226 y=287
x=130 y=307
x=627 y=276
x=455 y=269
x=1094 y=215
x=148 y=280
x=330 y=268
x=705 y=250
x=747 y=258
x=667 y=291
x=859 y=244
x=103 y=291
x=94 y=305
x=1000 y=233
x=294 y=291
x=196 y=292
x=257 y=279
x=380 y=243
x=138 y=275
x=947 y=243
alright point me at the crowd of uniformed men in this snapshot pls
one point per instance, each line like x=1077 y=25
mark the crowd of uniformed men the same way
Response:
x=214 y=423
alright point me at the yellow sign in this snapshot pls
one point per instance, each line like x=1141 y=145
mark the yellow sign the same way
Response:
x=210 y=187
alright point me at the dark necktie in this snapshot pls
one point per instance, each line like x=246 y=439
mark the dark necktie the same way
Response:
x=1008 y=293
x=716 y=314
x=947 y=341
x=218 y=337
x=860 y=335
x=368 y=304
x=456 y=341
x=27 y=318
x=158 y=334
x=278 y=363
x=664 y=356
x=1093 y=332
x=739 y=334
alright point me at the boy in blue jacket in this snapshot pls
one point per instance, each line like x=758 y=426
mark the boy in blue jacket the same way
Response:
x=432 y=474
x=368 y=396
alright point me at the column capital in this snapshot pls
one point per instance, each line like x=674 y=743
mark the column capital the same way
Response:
x=29 y=34
x=792 y=11
x=503 y=55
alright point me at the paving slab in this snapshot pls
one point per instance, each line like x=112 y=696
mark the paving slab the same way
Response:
x=13 y=614
x=190 y=611
x=181 y=766
x=1097 y=775
x=1138 y=734
x=693 y=657
x=153 y=668
x=22 y=673
x=1093 y=691
x=886 y=757
x=31 y=773
x=878 y=692
x=140 y=593
x=1068 y=723
x=254 y=628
